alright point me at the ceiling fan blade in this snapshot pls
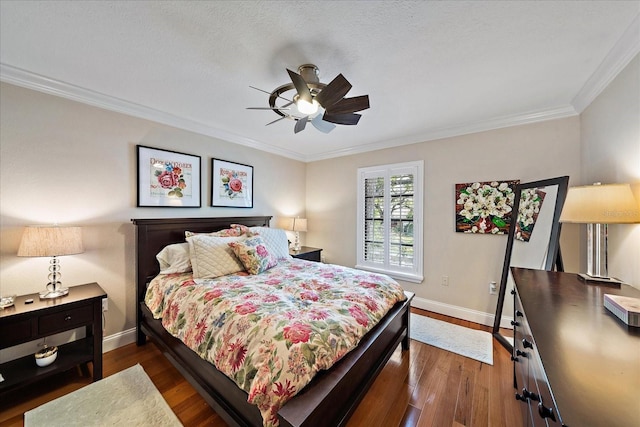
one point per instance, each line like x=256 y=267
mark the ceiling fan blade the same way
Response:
x=300 y=124
x=321 y=125
x=281 y=97
x=334 y=91
x=301 y=86
x=350 y=105
x=276 y=120
x=342 y=119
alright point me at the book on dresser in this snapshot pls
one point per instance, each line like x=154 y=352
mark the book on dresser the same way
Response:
x=626 y=309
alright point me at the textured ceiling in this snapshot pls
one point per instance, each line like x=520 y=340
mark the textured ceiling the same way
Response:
x=431 y=69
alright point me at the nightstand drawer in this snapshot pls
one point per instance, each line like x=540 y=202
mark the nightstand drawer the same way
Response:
x=15 y=332
x=63 y=320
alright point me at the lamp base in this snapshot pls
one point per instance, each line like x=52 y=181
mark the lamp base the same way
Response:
x=597 y=280
x=56 y=293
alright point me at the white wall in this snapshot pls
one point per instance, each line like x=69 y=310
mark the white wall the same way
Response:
x=66 y=162
x=610 y=129
x=529 y=152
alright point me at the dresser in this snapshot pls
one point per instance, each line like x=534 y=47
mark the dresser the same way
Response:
x=575 y=363
x=29 y=321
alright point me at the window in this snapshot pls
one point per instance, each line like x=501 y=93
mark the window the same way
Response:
x=390 y=220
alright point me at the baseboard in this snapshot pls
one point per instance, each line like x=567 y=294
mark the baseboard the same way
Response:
x=463 y=313
x=118 y=339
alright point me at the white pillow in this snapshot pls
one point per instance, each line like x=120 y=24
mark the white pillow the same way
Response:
x=174 y=259
x=212 y=257
x=275 y=239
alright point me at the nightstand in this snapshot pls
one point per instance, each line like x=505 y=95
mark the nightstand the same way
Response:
x=307 y=252
x=41 y=318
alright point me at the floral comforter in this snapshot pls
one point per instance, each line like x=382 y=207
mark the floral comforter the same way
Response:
x=272 y=332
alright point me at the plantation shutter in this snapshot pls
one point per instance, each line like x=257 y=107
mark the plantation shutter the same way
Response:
x=387 y=222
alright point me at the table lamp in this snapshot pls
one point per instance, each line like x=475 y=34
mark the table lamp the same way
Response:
x=51 y=241
x=597 y=206
x=296 y=225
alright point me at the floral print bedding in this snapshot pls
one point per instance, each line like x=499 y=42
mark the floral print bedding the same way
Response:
x=272 y=332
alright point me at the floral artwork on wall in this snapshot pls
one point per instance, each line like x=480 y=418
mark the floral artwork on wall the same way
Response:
x=167 y=178
x=530 y=204
x=484 y=207
x=232 y=184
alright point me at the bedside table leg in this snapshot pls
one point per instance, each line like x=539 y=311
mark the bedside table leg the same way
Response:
x=97 y=340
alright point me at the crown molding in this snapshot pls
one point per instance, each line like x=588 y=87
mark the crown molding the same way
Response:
x=625 y=49
x=29 y=80
x=448 y=132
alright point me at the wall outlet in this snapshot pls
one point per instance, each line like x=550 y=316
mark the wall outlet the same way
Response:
x=105 y=304
x=445 y=281
x=493 y=288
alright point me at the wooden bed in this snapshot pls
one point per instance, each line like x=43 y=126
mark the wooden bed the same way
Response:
x=332 y=395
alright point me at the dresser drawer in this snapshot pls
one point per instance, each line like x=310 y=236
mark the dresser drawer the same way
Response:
x=64 y=320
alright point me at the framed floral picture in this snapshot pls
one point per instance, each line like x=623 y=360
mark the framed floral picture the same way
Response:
x=484 y=207
x=167 y=178
x=231 y=184
x=531 y=200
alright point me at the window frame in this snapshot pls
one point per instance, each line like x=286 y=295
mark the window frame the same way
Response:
x=415 y=273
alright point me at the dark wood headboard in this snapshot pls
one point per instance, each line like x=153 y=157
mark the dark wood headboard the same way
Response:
x=154 y=234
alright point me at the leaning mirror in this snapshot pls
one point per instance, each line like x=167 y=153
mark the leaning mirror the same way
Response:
x=532 y=242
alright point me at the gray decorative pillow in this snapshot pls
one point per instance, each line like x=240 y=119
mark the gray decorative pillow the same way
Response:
x=275 y=239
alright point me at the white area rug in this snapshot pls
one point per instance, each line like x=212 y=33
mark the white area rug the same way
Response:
x=467 y=342
x=127 y=398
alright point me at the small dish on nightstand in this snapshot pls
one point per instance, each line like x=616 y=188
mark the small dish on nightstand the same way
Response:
x=46 y=356
x=6 y=302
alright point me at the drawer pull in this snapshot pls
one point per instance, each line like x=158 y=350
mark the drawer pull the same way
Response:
x=514 y=323
x=546 y=412
x=530 y=395
x=515 y=359
x=67 y=318
x=521 y=397
x=513 y=291
x=526 y=344
x=521 y=353
x=519 y=313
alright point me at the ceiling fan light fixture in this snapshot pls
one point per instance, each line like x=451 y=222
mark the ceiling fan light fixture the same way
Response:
x=324 y=105
x=307 y=108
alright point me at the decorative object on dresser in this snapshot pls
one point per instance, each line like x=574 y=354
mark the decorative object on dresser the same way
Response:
x=25 y=322
x=167 y=178
x=575 y=362
x=51 y=242
x=597 y=206
x=626 y=309
x=541 y=249
x=296 y=225
x=308 y=253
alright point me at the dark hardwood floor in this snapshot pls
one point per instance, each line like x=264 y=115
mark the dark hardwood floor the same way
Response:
x=424 y=386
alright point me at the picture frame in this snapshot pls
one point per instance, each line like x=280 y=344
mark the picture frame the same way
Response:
x=231 y=184
x=484 y=207
x=167 y=178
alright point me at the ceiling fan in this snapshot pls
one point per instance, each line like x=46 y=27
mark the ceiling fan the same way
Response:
x=324 y=105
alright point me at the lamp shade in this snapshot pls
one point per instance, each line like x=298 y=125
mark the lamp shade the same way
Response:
x=299 y=224
x=294 y=224
x=50 y=241
x=601 y=204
